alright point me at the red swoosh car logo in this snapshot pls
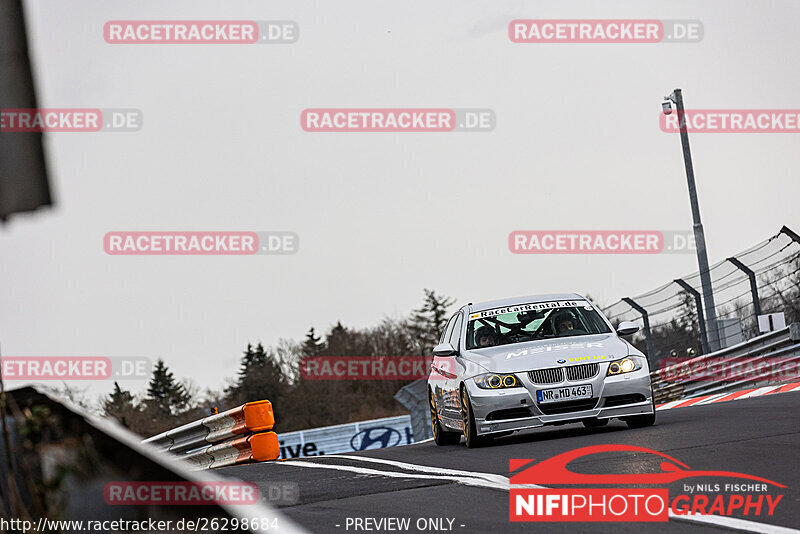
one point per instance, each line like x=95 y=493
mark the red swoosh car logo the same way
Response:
x=554 y=470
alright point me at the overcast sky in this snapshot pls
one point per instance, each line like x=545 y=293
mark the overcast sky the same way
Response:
x=380 y=216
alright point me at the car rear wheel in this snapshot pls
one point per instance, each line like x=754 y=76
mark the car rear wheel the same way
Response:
x=471 y=437
x=440 y=435
x=641 y=421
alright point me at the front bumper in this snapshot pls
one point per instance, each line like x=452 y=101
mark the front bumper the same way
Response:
x=494 y=410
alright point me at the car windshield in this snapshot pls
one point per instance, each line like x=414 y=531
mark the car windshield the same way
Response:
x=529 y=322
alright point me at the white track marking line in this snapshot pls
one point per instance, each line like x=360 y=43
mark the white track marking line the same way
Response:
x=734 y=523
x=467 y=481
x=422 y=468
x=495 y=481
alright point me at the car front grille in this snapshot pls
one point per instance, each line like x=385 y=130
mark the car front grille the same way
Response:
x=553 y=375
x=582 y=372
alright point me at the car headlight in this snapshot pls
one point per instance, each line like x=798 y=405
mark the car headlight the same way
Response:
x=625 y=365
x=497 y=381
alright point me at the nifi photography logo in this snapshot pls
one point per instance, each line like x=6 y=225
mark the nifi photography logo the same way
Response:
x=648 y=501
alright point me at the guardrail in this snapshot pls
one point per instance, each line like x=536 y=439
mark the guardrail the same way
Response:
x=45 y=476
x=240 y=435
x=747 y=363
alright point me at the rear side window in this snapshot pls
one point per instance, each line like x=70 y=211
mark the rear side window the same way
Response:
x=455 y=335
x=448 y=329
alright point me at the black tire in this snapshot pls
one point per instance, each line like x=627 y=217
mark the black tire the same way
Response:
x=471 y=437
x=641 y=421
x=440 y=436
x=595 y=423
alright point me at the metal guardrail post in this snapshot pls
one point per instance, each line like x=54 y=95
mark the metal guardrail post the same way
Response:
x=698 y=302
x=646 y=320
x=238 y=435
x=753 y=285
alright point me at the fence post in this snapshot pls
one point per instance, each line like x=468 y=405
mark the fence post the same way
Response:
x=785 y=230
x=753 y=286
x=698 y=302
x=646 y=320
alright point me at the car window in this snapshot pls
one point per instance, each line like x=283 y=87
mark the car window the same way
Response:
x=455 y=334
x=447 y=330
x=529 y=322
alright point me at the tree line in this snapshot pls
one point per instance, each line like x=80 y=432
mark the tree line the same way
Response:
x=273 y=373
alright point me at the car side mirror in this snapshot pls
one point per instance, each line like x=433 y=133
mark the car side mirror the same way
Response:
x=445 y=349
x=627 y=328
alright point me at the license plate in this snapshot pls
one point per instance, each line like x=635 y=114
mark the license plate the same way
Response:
x=568 y=393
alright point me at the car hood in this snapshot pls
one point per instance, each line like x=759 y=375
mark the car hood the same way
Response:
x=549 y=353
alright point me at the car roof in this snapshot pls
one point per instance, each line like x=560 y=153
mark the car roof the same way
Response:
x=530 y=299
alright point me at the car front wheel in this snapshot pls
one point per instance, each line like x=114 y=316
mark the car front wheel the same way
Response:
x=471 y=437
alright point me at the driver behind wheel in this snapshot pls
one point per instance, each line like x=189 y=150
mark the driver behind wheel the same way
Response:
x=564 y=324
x=485 y=336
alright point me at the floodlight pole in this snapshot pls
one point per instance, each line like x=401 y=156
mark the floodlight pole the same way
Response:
x=699 y=236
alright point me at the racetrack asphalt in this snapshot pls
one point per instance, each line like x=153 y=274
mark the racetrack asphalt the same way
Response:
x=757 y=436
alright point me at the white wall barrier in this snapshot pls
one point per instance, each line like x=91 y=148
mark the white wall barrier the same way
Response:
x=350 y=437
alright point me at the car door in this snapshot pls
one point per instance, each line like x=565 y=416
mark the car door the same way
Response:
x=437 y=377
x=451 y=369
